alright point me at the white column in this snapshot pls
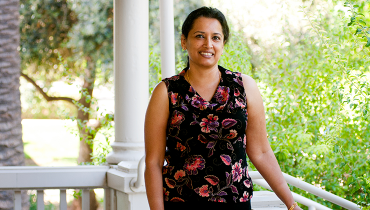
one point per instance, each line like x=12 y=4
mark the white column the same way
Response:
x=131 y=64
x=167 y=38
x=131 y=74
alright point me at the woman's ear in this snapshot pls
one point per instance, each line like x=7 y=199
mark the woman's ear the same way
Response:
x=183 y=42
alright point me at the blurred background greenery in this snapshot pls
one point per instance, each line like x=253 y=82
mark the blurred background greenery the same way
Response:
x=311 y=60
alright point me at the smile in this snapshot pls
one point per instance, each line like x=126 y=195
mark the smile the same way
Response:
x=206 y=53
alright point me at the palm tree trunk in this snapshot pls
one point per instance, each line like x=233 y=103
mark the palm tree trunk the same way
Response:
x=11 y=145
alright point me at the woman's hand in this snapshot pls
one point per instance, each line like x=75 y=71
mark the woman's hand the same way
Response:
x=297 y=208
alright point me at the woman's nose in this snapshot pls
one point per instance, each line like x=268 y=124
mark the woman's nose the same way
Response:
x=208 y=43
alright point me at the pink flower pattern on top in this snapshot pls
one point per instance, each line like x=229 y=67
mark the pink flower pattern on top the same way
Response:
x=179 y=174
x=209 y=124
x=206 y=143
x=237 y=171
x=222 y=94
x=199 y=102
x=174 y=98
x=202 y=191
x=177 y=119
x=193 y=163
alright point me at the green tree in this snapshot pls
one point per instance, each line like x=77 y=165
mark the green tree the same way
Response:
x=69 y=40
x=82 y=48
x=44 y=27
x=316 y=92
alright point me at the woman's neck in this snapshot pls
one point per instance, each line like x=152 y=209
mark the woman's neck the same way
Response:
x=203 y=76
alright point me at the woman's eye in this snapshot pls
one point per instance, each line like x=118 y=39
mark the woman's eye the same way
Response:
x=199 y=36
x=217 y=38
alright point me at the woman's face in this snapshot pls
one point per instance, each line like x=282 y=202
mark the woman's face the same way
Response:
x=205 y=42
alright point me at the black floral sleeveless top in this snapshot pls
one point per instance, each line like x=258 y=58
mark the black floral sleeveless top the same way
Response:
x=205 y=159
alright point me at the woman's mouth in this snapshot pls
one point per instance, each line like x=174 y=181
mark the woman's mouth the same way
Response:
x=206 y=54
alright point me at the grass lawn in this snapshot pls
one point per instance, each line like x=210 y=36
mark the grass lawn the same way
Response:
x=50 y=142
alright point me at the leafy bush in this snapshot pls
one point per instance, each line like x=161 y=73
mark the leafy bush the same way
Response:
x=316 y=94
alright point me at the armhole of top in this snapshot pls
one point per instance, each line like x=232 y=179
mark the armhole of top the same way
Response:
x=167 y=84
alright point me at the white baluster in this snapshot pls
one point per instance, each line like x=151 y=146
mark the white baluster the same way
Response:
x=85 y=199
x=63 y=200
x=113 y=199
x=107 y=196
x=17 y=200
x=40 y=200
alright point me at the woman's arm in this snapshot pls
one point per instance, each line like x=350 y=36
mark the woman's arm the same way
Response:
x=258 y=147
x=155 y=144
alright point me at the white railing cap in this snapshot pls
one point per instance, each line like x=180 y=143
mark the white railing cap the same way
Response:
x=34 y=177
x=312 y=189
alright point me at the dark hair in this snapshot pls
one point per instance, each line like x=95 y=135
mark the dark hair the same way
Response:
x=207 y=12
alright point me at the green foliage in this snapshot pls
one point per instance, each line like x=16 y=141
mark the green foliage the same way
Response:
x=34 y=106
x=71 y=41
x=234 y=58
x=44 y=27
x=357 y=20
x=316 y=94
x=98 y=138
x=78 y=32
x=77 y=194
x=92 y=35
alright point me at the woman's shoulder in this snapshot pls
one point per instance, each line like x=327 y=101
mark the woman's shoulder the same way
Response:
x=250 y=87
x=235 y=74
x=160 y=90
x=239 y=78
x=229 y=72
x=173 y=78
x=248 y=81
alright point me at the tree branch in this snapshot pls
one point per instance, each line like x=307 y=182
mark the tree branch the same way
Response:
x=98 y=124
x=48 y=98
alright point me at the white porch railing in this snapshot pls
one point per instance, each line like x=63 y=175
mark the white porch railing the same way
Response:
x=123 y=186
x=85 y=178
x=258 y=179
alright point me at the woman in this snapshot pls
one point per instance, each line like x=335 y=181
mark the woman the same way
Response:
x=196 y=123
